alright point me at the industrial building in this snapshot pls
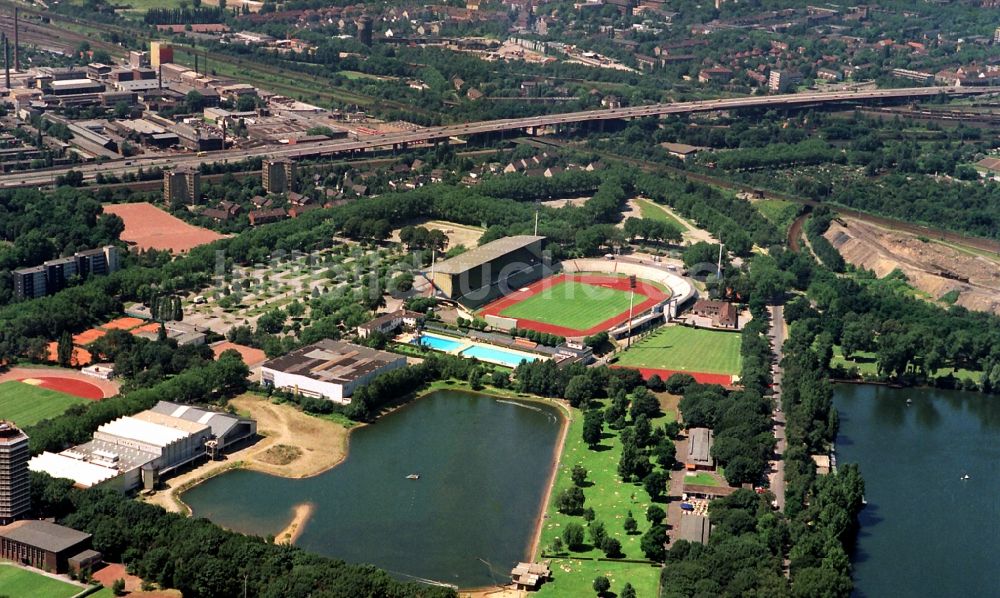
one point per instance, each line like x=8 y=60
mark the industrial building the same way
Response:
x=328 y=369
x=46 y=546
x=15 y=489
x=486 y=272
x=278 y=176
x=134 y=451
x=182 y=184
x=54 y=275
x=160 y=53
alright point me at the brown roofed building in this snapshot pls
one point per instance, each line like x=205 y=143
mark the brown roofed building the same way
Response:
x=390 y=322
x=41 y=544
x=723 y=313
x=258 y=217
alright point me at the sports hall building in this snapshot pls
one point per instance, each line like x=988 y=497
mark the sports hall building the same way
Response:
x=491 y=270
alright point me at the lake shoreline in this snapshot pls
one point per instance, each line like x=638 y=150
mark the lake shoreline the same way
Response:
x=303 y=512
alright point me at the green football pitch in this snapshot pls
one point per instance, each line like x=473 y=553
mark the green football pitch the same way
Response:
x=22 y=583
x=686 y=349
x=26 y=405
x=573 y=304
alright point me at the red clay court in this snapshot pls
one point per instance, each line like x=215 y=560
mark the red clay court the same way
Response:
x=149 y=227
x=562 y=305
x=66 y=381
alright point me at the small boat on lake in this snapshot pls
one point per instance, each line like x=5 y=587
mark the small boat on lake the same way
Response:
x=413 y=476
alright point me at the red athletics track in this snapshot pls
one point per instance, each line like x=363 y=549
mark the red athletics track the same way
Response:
x=701 y=377
x=654 y=295
x=70 y=382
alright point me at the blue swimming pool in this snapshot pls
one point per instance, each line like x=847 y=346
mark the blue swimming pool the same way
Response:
x=438 y=343
x=497 y=355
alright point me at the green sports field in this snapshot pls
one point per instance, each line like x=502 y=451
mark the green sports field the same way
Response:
x=686 y=349
x=22 y=583
x=573 y=304
x=26 y=405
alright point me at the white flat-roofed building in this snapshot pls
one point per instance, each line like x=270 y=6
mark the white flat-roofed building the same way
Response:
x=329 y=369
x=173 y=444
x=84 y=473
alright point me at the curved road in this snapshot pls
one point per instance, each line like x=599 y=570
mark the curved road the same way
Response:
x=442 y=133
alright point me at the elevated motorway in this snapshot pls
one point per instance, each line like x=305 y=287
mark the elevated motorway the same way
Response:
x=402 y=140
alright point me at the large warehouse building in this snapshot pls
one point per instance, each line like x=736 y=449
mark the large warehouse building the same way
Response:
x=488 y=271
x=134 y=451
x=328 y=369
x=44 y=545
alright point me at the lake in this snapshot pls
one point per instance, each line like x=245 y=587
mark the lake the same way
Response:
x=484 y=466
x=925 y=531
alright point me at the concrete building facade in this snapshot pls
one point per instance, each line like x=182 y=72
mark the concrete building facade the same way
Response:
x=278 y=176
x=15 y=484
x=183 y=184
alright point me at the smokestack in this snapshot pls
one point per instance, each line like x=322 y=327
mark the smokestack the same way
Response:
x=196 y=64
x=159 y=76
x=17 y=51
x=6 y=60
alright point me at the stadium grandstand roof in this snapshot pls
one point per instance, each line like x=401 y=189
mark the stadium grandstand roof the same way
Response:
x=485 y=254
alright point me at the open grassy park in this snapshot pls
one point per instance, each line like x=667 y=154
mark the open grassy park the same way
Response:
x=573 y=304
x=780 y=212
x=651 y=211
x=27 y=405
x=611 y=500
x=23 y=583
x=686 y=349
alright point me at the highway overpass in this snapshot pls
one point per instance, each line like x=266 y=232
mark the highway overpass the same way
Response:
x=42 y=177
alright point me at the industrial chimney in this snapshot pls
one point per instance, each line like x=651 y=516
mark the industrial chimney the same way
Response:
x=6 y=61
x=17 y=45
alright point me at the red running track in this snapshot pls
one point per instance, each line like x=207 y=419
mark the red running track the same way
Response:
x=654 y=295
x=77 y=388
x=701 y=377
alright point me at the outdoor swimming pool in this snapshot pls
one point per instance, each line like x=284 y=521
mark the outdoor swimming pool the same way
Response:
x=438 y=343
x=497 y=355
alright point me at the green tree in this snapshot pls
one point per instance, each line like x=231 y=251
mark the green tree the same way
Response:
x=570 y=501
x=593 y=427
x=652 y=543
x=579 y=475
x=601 y=585
x=597 y=533
x=118 y=587
x=630 y=525
x=64 y=350
x=627 y=591
x=655 y=514
x=573 y=536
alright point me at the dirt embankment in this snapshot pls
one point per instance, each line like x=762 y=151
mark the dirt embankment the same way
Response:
x=932 y=267
x=293 y=445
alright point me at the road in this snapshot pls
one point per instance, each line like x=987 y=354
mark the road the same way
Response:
x=777 y=475
x=403 y=139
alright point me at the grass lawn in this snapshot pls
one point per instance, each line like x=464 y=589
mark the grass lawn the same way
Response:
x=701 y=478
x=686 y=349
x=611 y=500
x=15 y=581
x=579 y=580
x=573 y=304
x=863 y=360
x=26 y=405
x=780 y=212
x=651 y=211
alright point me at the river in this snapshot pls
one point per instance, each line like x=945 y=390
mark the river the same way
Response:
x=925 y=531
x=484 y=467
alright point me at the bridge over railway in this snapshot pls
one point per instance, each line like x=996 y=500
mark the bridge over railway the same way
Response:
x=401 y=140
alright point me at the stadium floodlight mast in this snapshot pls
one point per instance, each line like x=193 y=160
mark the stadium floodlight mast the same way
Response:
x=718 y=266
x=631 y=300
